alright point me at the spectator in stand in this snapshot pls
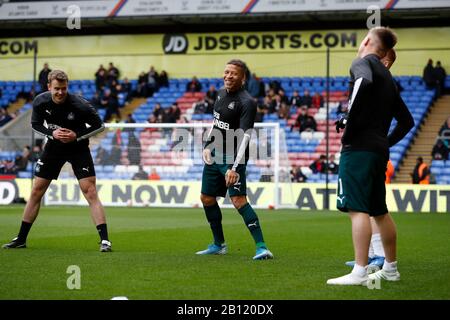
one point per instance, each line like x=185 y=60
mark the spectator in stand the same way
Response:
x=158 y=111
x=201 y=107
x=275 y=85
x=154 y=175
x=163 y=80
x=317 y=101
x=102 y=156
x=152 y=119
x=266 y=174
x=111 y=104
x=175 y=111
x=168 y=117
x=297 y=175
x=260 y=112
x=112 y=73
x=296 y=100
x=4 y=117
x=141 y=90
x=304 y=121
x=441 y=75
x=319 y=165
x=152 y=82
x=96 y=101
x=332 y=166
x=254 y=87
x=306 y=99
x=444 y=133
x=140 y=175
x=21 y=161
x=100 y=78
x=421 y=173
x=342 y=107
x=43 y=77
x=194 y=85
x=429 y=75
x=440 y=151
x=115 y=156
x=8 y=167
x=266 y=103
x=134 y=150
x=127 y=90
x=211 y=96
x=275 y=104
x=283 y=112
x=36 y=153
x=390 y=171
x=283 y=97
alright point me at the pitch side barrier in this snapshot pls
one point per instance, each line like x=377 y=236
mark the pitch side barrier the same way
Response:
x=306 y=196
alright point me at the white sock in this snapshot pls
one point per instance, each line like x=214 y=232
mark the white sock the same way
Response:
x=360 y=271
x=371 y=251
x=390 y=266
x=377 y=245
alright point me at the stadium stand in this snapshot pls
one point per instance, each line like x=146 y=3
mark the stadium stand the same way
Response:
x=302 y=148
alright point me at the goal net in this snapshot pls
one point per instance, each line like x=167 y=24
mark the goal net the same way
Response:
x=161 y=165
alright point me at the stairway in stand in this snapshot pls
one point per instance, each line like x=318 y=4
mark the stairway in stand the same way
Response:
x=425 y=140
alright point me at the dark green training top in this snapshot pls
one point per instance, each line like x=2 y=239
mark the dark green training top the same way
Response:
x=374 y=102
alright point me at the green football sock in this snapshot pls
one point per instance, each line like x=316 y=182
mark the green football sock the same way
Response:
x=252 y=223
x=214 y=216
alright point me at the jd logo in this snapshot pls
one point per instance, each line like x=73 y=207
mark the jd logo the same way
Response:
x=8 y=191
x=175 y=43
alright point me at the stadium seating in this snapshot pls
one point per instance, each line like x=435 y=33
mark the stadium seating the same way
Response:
x=302 y=148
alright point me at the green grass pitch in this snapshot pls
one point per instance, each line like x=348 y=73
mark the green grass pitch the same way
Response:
x=154 y=258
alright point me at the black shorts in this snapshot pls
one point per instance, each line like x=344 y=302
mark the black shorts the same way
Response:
x=50 y=163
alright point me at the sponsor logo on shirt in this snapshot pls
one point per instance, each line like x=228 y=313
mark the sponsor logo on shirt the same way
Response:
x=220 y=124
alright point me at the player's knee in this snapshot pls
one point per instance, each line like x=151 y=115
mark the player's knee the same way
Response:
x=90 y=193
x=239 y=201
x=207 y=200
x=37 y=193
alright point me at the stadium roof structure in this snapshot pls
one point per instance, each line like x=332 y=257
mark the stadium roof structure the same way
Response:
x=26 y=18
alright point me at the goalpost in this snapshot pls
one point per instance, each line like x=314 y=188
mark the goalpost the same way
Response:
x=127 y=154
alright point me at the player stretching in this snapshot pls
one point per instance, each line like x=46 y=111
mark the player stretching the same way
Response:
x=225 y=163
x=365 y=152
x=66 y=116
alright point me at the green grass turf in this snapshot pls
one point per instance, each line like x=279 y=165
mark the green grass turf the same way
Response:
x=154 y=256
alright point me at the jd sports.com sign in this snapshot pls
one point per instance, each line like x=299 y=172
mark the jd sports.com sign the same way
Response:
x=254 y=42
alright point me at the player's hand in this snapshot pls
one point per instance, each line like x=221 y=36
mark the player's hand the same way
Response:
x=340 y=123
x=207 y=158
x=58 y=134
x=67 y=135
x=231 y=177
